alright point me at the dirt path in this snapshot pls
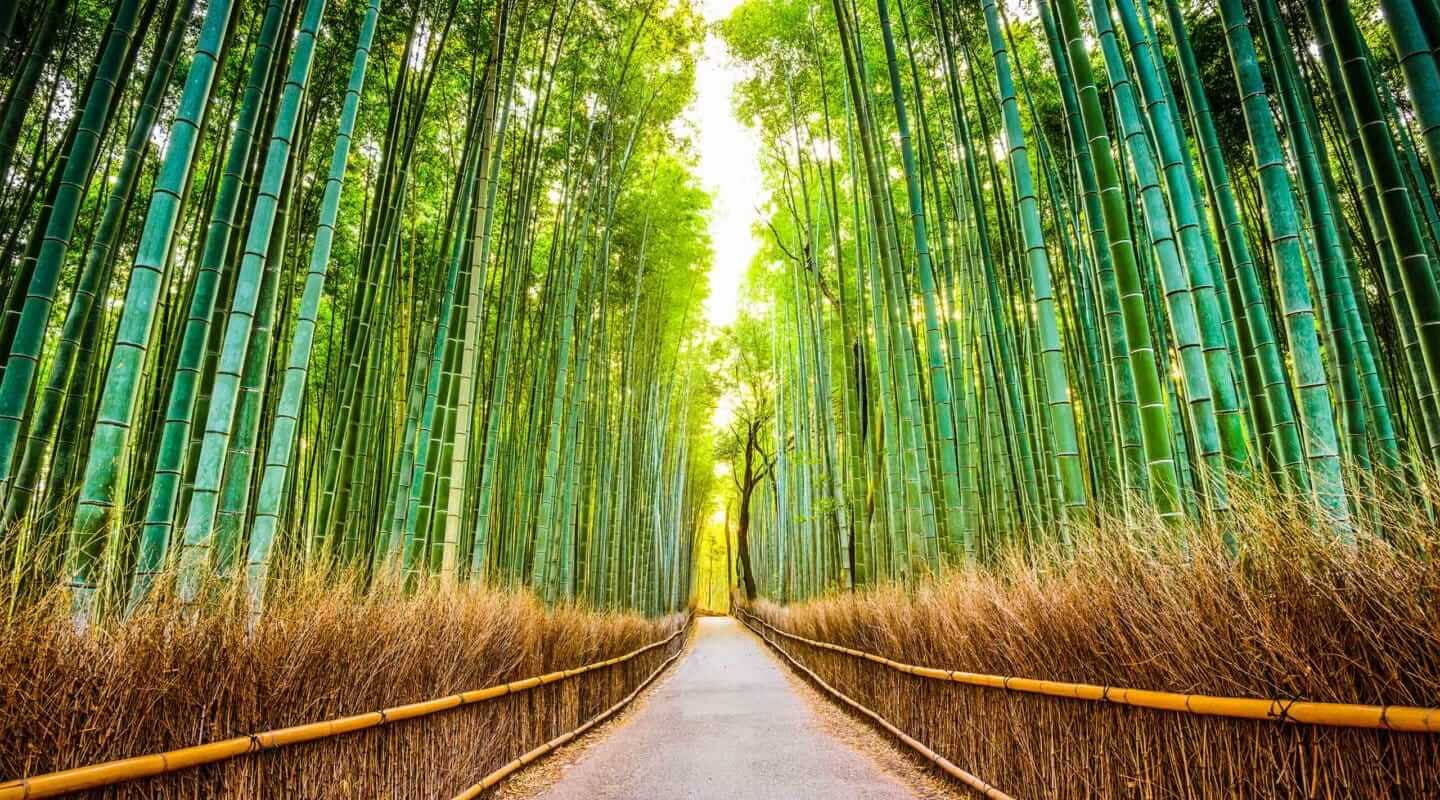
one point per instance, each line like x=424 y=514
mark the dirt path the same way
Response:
x=730 y=723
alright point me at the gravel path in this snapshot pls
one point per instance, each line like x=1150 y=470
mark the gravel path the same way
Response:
x=726 y=724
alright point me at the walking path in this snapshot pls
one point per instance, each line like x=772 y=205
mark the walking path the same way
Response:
x=726 y=724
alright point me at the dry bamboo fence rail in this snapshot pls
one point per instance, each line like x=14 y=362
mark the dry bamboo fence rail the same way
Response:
x=109 y=773
x=968 y=778
x=1407 y=719
x=563 y=739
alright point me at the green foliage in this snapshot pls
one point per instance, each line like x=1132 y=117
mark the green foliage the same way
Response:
x=289 y=296
x=999 y=238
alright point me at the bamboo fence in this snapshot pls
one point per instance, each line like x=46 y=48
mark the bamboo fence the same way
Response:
x=1407 y=719
x=965 y=777
x=563 y=739
x=1137 y=742
x=548 y=713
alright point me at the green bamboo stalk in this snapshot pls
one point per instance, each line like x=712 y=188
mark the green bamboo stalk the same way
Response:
x=1155 y=418
x=1057 y=384
x=22 y=363
x=41 y=434
x=1410 y=254
x=1276 y=397
x=195 y=557
x=106 y=467
x=280 y=453
x=939 y=378
x=1321 y=441
x=1194 y=238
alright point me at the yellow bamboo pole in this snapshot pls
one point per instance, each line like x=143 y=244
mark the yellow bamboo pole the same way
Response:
x=1406 y=719
x=967 y=778
x=146 y=766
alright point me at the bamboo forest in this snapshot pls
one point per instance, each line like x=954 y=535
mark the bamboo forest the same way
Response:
x=1044 y=393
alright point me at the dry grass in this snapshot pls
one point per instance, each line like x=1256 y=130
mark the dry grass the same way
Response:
x=1294 y=616
x=162 y=681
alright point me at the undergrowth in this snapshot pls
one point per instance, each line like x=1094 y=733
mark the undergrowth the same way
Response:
x=168 y=678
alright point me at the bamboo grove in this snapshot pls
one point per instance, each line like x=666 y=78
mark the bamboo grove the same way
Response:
x=1044 y=264
x=393 y=292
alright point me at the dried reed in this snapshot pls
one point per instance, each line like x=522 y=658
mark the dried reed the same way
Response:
x=1294 y=616
x=167 y=678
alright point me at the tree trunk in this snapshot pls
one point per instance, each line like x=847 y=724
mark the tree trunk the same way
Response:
x=742 y=538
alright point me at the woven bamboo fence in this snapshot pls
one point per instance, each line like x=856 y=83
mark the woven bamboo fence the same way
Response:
x=431 y=748
x=1082 y=740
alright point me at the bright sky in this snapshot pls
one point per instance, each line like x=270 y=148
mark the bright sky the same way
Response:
x=729 y=168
